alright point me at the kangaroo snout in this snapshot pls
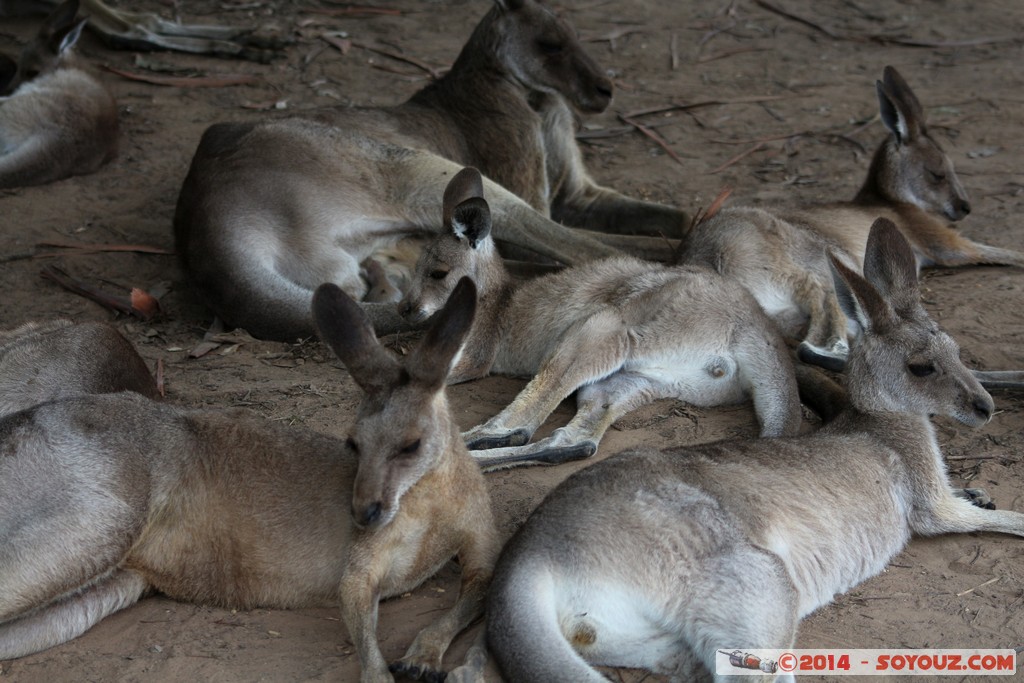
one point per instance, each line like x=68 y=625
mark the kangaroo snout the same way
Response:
x=959 y=209
x=983 y=407
x=368 y=516
x=411 y=311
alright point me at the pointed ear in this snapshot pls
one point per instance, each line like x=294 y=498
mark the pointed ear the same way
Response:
x=900 y=109
x=859 y=300
x=465 y=184
x=432 y=360
x=71 y=37
x=471 y=220
x=344 y=327
x=59 y=24
x=890 y=265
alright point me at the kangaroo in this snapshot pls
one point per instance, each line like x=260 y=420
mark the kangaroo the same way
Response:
x=720 y=554
x=149 y=500
x=56 y=119
x=780 y=255
x=270 y=210
x=621 y=332
x=49 y=360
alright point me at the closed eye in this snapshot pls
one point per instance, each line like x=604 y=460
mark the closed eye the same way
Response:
x=936 y=177
x=438 y=274
x=550 y=48
x=410 y=449
x=921 y=369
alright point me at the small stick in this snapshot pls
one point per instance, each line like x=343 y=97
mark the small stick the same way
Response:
x=650 y=133
x=160 y=377
x=971 y=590
x=673 y=49
x=736 y=158
x=434 y=72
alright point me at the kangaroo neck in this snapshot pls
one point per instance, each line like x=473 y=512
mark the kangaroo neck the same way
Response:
x=490 y=112
x=873 y=191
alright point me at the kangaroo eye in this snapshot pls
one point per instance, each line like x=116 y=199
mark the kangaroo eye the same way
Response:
x=550 y=48
x=438 y=274
x=411 y=448
x=936 y=177
x=921 y=369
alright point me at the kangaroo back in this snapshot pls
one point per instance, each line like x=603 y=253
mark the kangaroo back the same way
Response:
x=46 y=361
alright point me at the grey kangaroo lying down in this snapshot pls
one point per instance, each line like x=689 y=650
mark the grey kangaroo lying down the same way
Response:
x=58 y=358
x=148 y=501
x=780 y=254
x=270 y=210
x=657 y=559
x=56 y=118
x=620 y=332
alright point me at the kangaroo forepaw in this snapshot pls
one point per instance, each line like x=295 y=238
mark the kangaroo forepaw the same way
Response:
x=977 y=497
x=417 y=672
x=478 y=441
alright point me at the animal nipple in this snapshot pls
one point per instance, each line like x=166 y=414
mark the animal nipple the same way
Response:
x=716 y=371
x=583 y=635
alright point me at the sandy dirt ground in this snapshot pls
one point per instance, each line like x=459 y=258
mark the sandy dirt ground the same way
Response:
x=782 y=111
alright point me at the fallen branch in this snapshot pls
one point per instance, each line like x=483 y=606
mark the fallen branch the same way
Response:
x=736 y=158
x=221 y=81
x=149 y=305
x=434 y=72
x=653 y=135
x=87 y=247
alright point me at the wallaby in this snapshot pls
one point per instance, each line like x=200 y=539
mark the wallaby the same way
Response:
x=620 y=332
x=56 y=119
x=720 y=553
x=780 y=255
x=49 y=360
x=270 y=210
x=149 y=500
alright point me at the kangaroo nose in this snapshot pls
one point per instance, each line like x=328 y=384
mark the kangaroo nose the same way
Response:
x=370 y=514
x=964 y=207
x=604 y=89
x=984 y=407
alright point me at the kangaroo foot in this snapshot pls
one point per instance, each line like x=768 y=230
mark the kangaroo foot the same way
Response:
x=481 y=440
x=831 y=357
x=977 y=497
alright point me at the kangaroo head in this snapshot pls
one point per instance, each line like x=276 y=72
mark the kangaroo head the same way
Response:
x=404 y=429
x=464 y=249
x=543 y=53
x=900 y=360
x=50 y=47
x=915 y=169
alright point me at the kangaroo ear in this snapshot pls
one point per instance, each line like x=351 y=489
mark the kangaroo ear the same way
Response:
x=59 y=25
x=71 y=37
x=890 y=265
x=344 y=327
x=899 y=107
x=858 y=298
x=433 y=359
x=466 y=184
x=471 y=220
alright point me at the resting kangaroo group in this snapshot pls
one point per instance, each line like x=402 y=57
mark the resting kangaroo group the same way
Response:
x=465 y=221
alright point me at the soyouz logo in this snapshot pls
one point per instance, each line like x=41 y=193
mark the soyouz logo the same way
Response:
x=733 y=661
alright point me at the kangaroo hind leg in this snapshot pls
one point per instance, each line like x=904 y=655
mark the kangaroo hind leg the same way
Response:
x=598 y=406
x=71 y=616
